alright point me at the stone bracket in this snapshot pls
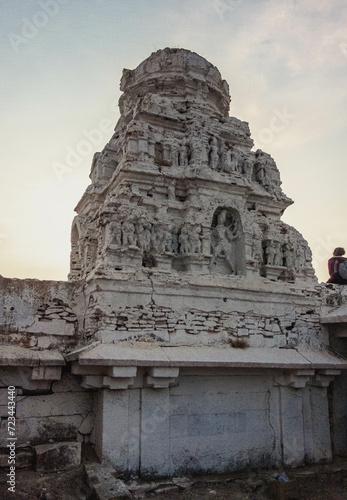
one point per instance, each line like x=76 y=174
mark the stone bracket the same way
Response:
x=324 y=377
x=160 y=377
x=300 y=378
x=105 y=377
x=295 y=378
x=273 y=272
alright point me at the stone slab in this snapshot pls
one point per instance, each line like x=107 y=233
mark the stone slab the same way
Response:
x=51 y=358
x=101 y=478
x=324 y=359
x=18 y=356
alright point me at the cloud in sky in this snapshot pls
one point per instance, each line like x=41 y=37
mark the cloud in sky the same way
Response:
x=278 y=56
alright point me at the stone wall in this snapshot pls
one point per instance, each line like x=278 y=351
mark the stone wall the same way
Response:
x=41 y=314
x=213 y=421
x=62 y=413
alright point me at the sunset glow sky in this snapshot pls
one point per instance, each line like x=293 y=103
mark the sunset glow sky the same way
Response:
x=61 y=63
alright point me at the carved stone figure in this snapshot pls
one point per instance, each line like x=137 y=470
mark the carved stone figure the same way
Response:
x=183 y=154
x=146 y=235
x=257 y=248
x=143 y=232
x=174 y=153
x=113 y=233
x=248 y=169
x=171 y=190
x=222 y=154
x=266 y=173
x=194 y=239
x=174 y=240
x=129 y=233
x=158 y=238
x=222 y=240
x=184 y=239
x=214 y=156
x=289 y=258
x=278 y=257
x=195 y=151
x=270 y=254
x=167 y=238
x=227 y=165
x=235 y=161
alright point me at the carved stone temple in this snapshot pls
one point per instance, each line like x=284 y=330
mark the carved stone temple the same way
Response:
x=192 y=335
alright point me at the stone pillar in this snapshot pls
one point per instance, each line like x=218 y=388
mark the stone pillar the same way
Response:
x=132 y=428
x=316 y=424
x=155 y=432
x=292 y=426
x=304 y=415
x=111 y=427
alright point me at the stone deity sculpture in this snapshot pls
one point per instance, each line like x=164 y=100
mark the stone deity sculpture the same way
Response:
x=222 y=240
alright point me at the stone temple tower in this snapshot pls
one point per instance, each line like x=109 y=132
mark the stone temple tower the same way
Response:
x=190 y=336
x=179 y=190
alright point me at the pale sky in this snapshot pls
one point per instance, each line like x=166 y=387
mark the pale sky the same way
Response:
x=61 y=63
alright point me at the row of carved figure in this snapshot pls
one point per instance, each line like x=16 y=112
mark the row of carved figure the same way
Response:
x=224 y=241
x=159 y=237
x=286 y=254
x=222 y=157
x=219 y=155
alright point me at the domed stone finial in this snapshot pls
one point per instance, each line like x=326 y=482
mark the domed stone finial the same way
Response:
x=181 y=74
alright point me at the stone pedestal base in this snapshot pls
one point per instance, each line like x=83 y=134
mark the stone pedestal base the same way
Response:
x=273 y=272
x=123 y=257
x=192 y=263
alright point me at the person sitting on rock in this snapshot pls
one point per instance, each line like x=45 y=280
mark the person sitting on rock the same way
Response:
x=335 y=271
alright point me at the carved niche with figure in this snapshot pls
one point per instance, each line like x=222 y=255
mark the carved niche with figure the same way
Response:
x=227 y=245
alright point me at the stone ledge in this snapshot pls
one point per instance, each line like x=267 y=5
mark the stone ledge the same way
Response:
x=20 y=356
x=150 y=355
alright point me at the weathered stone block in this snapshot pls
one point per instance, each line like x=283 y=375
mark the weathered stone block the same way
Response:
x=53 y=327
x=87 y=424
x=54 y=404
x=57 y=456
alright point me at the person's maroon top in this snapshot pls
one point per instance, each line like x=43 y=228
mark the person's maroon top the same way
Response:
x=333 y=266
